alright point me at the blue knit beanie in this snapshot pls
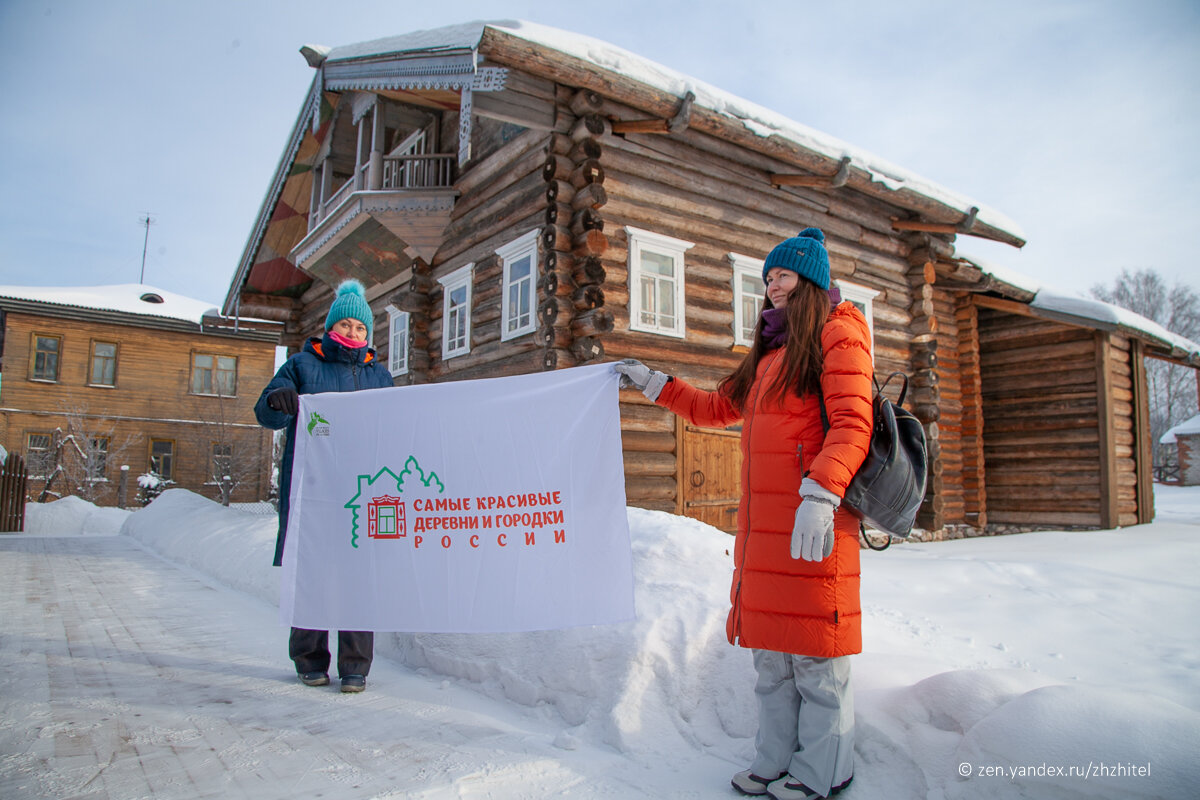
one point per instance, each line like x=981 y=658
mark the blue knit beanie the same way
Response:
x=803 y=254
x=350 y=303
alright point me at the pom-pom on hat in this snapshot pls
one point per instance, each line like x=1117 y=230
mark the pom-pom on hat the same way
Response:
x=350 y=303
x=803 y=254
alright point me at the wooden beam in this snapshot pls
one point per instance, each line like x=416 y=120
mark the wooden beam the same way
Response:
x=965 y=226
x=834 y=181
x=676 y=123
x=998 y=304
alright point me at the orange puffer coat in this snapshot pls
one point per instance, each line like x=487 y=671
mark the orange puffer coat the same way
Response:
x=780 y=603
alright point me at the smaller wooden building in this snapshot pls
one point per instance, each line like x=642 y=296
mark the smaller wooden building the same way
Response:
x=96 y=378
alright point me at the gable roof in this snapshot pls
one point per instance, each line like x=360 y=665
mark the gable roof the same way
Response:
x=613 y=71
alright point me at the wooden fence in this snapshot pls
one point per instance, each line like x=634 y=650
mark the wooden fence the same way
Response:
x=12 y=494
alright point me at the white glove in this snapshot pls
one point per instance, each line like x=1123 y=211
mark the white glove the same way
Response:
x=812 y=532
x=636 y=375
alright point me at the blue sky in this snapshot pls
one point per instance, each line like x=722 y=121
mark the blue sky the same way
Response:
x=1078 y=120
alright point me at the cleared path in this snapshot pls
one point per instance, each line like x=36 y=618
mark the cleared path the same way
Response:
x=126 y=677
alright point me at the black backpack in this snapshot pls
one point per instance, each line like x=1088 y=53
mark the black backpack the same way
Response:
x=889 y=487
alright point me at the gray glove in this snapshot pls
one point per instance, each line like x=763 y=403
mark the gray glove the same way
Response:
x=636 y=375
x=812 y=532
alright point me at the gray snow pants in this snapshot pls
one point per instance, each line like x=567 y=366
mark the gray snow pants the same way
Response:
x=805 y=719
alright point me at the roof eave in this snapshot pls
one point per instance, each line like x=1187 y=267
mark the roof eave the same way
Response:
x=271 y=198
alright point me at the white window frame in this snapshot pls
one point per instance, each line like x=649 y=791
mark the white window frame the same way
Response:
x=460 y=278
x=397 y=341
x=744 y=266
x=863 y=297
x=510 y=253
x=641 y=241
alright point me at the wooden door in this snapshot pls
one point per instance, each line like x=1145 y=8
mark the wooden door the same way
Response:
x=709 y=469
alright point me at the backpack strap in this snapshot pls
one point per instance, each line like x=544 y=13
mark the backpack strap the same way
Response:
x=862 y=529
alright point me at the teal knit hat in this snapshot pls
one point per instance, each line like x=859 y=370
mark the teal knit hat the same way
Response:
x=350 y=303
x=803 y=254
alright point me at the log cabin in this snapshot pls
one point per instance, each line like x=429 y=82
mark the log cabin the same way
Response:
x=100 y=378
x=520 y=198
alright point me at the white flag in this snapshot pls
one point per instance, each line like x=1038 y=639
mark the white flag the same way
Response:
x=474 y=506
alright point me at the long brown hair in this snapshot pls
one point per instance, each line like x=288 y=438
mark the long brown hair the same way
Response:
x=806 y=312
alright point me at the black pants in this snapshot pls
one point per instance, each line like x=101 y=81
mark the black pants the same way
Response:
x=310 y=651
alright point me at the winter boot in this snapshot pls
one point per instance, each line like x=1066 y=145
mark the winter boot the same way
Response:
x=314 y=678
x=788 y=788
x=354 y=683
x=747 y=782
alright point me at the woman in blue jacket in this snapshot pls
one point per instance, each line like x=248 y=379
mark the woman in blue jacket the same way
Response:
x=340 y=361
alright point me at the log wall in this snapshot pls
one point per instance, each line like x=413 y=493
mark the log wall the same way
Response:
x=1041 y=422
x=693 y=187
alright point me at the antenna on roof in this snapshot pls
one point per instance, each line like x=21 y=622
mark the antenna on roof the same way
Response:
x=147 y=221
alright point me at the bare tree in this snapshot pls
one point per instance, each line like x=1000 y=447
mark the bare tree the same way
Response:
x=78 y=458
x=234 y=452
x=1172 y=387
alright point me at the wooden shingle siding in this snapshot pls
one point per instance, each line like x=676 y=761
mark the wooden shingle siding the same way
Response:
x=151 y=398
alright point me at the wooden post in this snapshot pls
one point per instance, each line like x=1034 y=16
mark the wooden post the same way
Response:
x=1109 y=513
x=1143 y=447
x=375 y=168
x=123 y=487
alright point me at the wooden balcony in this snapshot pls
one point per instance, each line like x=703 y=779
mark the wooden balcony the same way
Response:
x=392 y=211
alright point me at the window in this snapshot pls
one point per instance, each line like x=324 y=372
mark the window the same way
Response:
x=213 y=374
x=222 y=461
x=39 y=459
x=104 y=364
x=749 y=293
x=397 y=341
x=97 y=458
x=162 y=458
x=45 y=357
x=656 y=295
x=861 y=296
x=456 y=312
x=387 y=520
x=517 y=304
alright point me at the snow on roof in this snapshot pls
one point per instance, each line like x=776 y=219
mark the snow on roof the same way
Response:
x=129 y=298
x=1110 y=315
x=1057 y=300
x=1185 y=428
x=755 y=118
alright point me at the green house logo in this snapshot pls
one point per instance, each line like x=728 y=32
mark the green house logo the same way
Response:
x=381 y=493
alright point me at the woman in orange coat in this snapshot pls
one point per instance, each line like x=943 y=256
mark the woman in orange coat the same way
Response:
x=795 y=600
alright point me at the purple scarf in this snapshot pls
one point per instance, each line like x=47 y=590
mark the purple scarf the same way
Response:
x=774 y=321
x=774 y=327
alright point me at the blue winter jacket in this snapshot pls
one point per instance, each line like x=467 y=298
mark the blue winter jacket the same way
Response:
x=322 y=366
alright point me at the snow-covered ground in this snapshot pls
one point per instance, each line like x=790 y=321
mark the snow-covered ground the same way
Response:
x=1048 y=665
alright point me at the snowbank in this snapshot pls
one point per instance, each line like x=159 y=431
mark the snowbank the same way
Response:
x=1053 y=665
x=231 y=546
x=71 y=516
x=640 y=687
